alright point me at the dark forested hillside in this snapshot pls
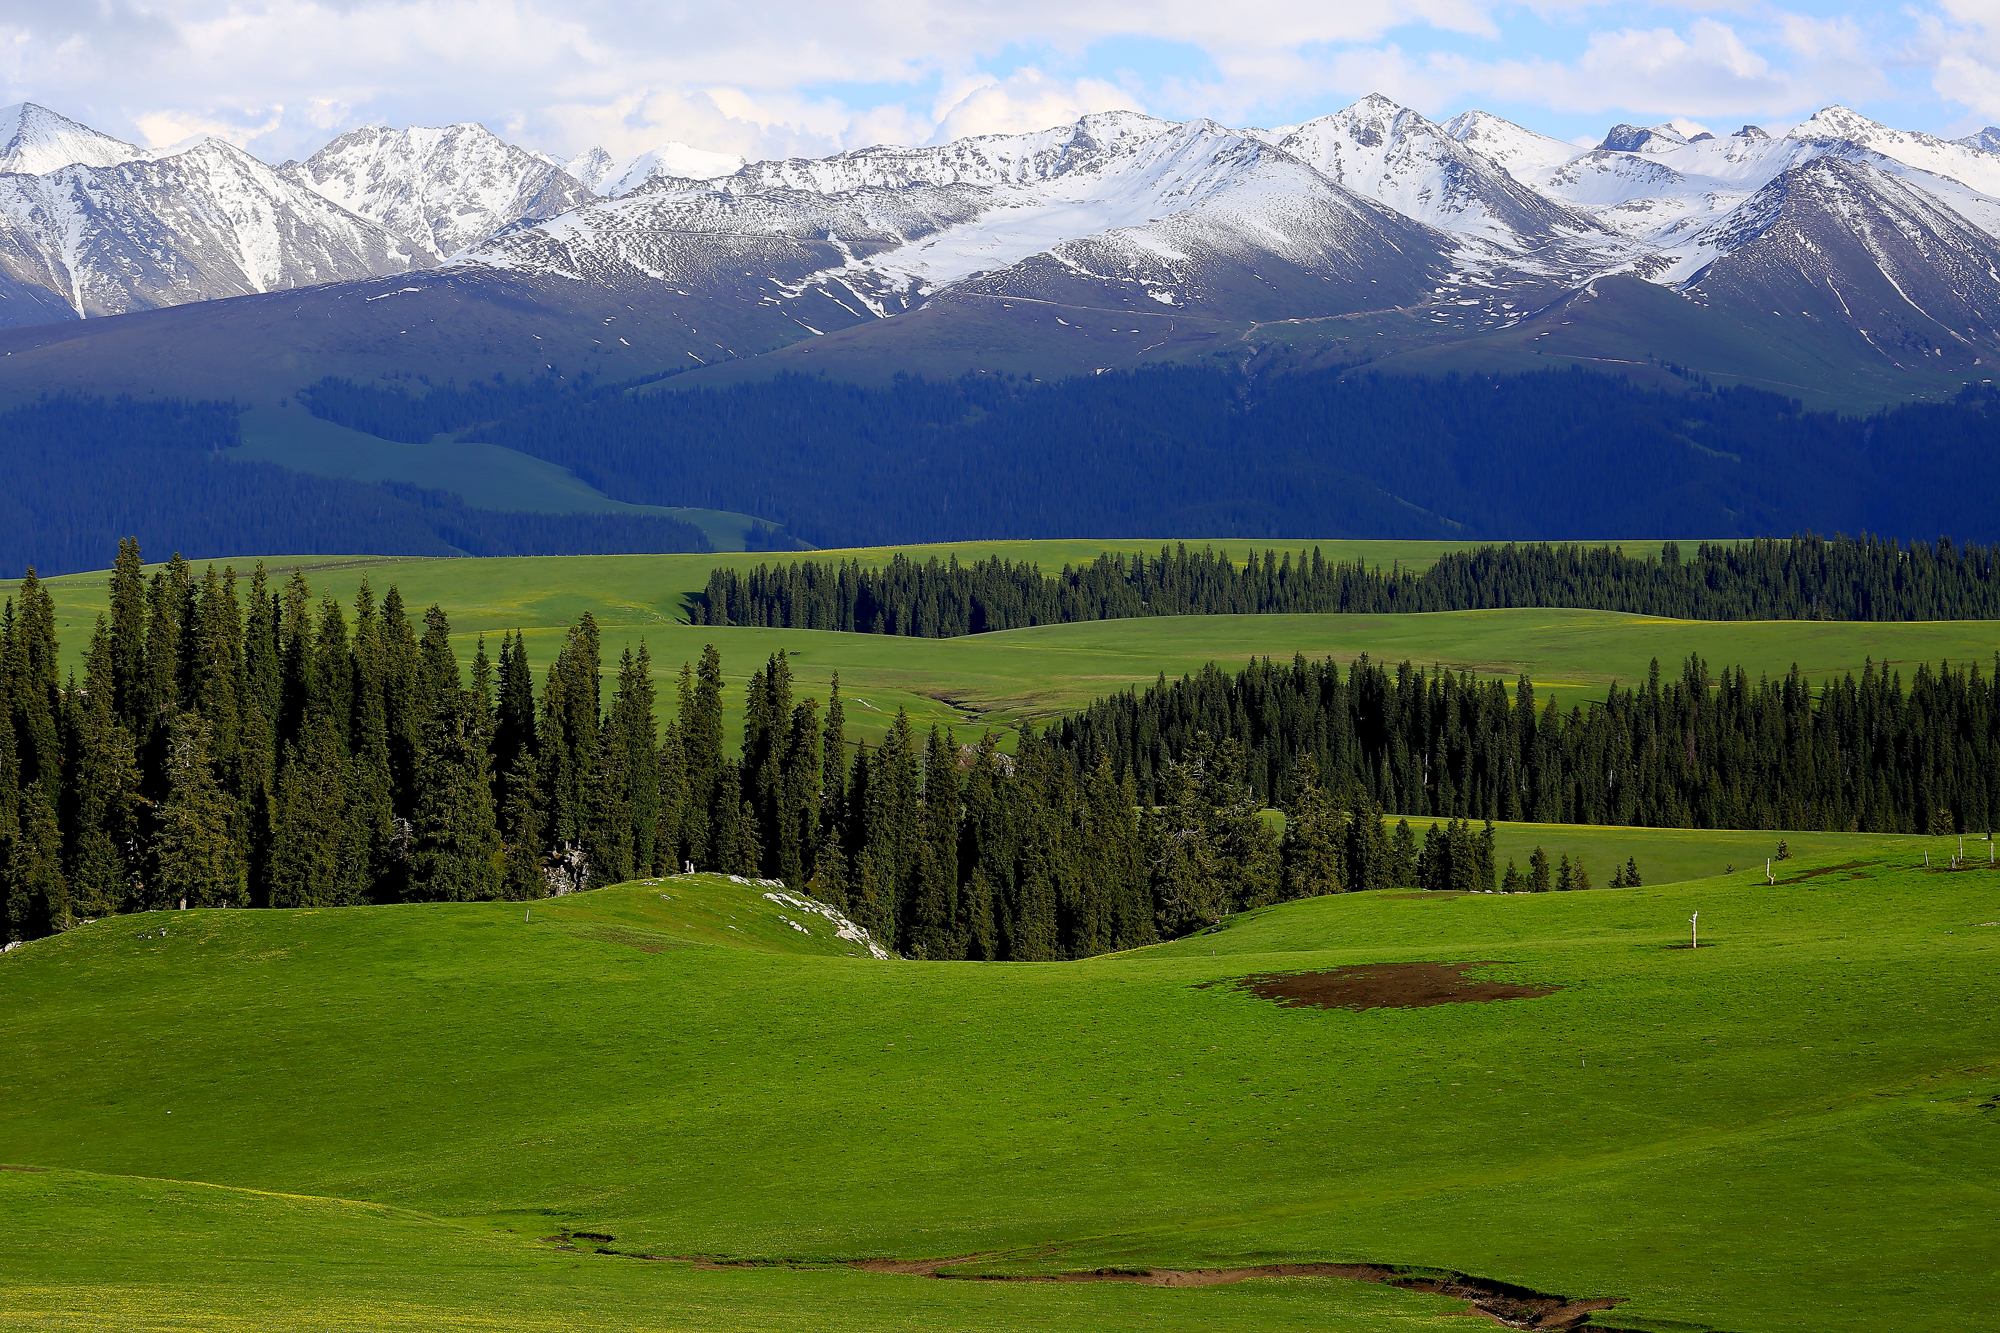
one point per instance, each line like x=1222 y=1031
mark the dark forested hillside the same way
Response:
x=1804 y=578
x=1206 y=453
x=79 y=474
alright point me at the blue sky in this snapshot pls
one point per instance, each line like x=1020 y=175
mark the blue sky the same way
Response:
x=802 y=76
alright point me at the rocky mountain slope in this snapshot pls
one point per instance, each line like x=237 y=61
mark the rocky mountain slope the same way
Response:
x=441 y=190
x=1361 y=235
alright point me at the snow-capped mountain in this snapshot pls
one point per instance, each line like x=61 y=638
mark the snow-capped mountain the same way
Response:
x=206 y=222
x=439 y=189
x=1396 y=157
x=611 y=178
x=1853 y=246
x=1374 y=212
x=1136 y=209
x=34 y=139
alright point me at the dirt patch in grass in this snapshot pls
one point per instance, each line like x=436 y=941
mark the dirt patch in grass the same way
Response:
x=1382 y=986
x=23 y=1168
x=1503 y=1303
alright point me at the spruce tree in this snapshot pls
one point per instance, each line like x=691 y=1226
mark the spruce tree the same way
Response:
x=1538 y=871
x=127 y=647
x=701 y=734
x=1311 y=852
x=101 y=809
x=455 y=853
x=319 y=851
x=798 y=803
x=523 y=827
x=833 y=762
x=198 y=857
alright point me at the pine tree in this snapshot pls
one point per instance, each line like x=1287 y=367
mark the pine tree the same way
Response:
x=199 y=861
x=1402 y=867
x=1538 y=871
x=37 y=890
x=833 y=762
x=930 y=929
x=829 y=881
x=100 y=812
x=1632 y=880
x=319 y=852
x=455 y=853
x=523 y=827
x=1514 y=881
x=673 y=799
x=701 y=737
x=798 y=803
x=1564 y=881
x=127 y=647
x=1311 y=851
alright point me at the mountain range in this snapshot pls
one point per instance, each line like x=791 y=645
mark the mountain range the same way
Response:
x=1843 y=261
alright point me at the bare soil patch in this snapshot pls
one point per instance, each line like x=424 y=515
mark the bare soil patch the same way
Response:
x=1503 y=1303
x=1382 y=986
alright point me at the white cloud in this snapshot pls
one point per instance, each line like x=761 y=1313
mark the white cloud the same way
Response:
x=787 y=76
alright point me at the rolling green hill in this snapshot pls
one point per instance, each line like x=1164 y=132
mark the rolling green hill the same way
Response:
x=1006 y=679
x=1788 y=1130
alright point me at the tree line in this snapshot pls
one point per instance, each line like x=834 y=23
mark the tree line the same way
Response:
x=1801 y=578
x=1706 y=750
x=232 y=746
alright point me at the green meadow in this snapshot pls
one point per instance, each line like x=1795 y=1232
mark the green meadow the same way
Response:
x=1008 y=679
x=394 y=1116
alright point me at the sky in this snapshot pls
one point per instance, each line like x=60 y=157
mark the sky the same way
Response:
x=805 y=77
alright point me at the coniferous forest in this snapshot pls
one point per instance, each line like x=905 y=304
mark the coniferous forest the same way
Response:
x=240 y=743
x=1804 y=578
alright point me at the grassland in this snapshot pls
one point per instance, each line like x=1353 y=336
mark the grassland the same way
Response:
x=1786 y=1131
x=1004 y=680
x=485 y=476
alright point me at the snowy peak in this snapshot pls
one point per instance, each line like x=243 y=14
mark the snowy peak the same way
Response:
x=1986 y=141
x=1405 y=162
x=674 y=161
x=1524 y=153
x=34 y=140
x=1853 y=243
x=1965 y=163
x=205 y=222
x=984 y=160
x=441 y=188
x=1634 y=139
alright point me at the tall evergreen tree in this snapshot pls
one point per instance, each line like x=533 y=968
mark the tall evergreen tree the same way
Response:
x=198 y=859
x=455 y=853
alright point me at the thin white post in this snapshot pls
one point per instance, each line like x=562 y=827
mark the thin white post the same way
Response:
x=1694 y=931
x=1769 y=878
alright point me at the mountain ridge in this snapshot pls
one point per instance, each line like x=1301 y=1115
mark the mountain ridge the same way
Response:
x=1371 y=234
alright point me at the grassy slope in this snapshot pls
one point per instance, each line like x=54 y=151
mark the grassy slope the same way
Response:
x=1781 y=1132
x=1005 y=679
x=486 y=476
